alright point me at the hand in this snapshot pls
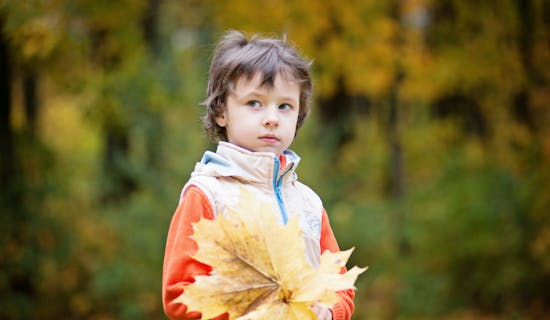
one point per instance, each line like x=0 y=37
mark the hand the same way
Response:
x=322 y=313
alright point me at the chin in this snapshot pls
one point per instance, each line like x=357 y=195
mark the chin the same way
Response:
x=273 y=150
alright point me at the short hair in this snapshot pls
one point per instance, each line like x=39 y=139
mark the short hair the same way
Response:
x=237 y=56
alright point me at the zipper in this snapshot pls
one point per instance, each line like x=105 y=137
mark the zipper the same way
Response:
x=277 y=184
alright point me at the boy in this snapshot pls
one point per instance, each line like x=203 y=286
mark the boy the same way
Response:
x=257 y=97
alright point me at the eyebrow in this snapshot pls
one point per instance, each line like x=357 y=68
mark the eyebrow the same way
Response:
x=291 y=100
x=259 y=93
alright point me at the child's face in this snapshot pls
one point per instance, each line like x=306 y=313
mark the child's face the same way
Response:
x=260 y=118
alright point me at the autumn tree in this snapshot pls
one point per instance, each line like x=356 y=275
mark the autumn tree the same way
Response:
x=428 y=141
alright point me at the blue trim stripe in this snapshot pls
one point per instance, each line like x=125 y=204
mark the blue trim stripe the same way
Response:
x=277 y=189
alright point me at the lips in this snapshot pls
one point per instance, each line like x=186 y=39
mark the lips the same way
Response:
x=270 y=139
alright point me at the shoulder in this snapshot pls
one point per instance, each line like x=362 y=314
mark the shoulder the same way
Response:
x=206 y=185
x=308 y=194
x=220 y=191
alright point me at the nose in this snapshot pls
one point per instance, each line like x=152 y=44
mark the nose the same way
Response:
x=271 y=118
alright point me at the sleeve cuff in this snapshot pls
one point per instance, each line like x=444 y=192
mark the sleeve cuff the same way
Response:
x=338 y=313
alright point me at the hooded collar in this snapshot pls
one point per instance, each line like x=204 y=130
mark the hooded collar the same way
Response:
x=230 y=160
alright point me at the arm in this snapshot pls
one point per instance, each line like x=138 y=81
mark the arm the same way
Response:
x=343 y=309
x=179 y=268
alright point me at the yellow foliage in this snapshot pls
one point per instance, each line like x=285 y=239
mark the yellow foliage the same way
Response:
x=259 y=267
x=37 y=38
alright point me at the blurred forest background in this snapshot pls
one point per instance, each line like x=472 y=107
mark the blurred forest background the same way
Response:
x=429 y=142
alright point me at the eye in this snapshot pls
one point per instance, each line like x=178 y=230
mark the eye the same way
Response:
x=285 y=106
x=254 y=103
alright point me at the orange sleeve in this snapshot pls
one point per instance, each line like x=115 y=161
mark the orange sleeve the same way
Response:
x=343 y=309
x=179 y=268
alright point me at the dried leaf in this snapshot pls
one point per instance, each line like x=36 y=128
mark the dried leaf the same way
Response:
x=259 y=267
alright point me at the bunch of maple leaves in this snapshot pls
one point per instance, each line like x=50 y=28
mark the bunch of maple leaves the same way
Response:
x=260 y=269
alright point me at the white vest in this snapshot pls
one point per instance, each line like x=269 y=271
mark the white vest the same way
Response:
x=220 y=176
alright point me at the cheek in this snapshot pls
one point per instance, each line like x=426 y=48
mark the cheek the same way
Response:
x=291 y=128
x=294 y=121
x=242 y=127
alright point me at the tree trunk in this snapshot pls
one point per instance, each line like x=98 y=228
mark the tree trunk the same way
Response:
x=7 y=162
x=395 y=149
x=150 y=27
x=336 y=114
x=152 y=40
x=30 y=98
x=13 y=236
x=522 y=106
x=120 y=182
x=396 y=165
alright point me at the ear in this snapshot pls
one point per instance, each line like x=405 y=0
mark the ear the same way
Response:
x=221 y=120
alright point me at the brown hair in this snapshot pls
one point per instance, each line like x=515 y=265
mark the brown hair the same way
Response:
x=236 y=56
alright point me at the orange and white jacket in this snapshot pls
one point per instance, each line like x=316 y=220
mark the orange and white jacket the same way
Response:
x=214 y=185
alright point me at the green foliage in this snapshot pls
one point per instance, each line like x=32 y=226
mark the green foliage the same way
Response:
x=436 y=168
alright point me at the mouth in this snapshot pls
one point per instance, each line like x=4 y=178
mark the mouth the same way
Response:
x=269 y=139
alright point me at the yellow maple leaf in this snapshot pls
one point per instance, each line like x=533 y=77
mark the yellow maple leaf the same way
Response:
x=259 y=267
